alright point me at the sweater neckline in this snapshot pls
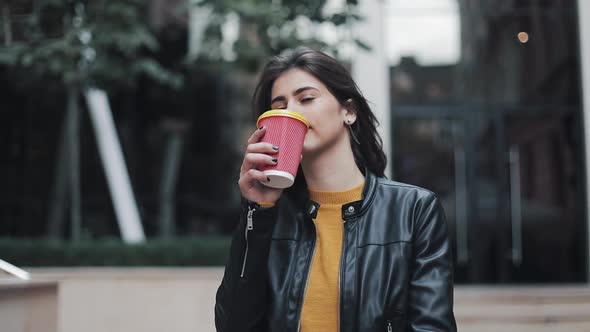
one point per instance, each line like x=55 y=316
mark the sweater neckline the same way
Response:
x=337 y=197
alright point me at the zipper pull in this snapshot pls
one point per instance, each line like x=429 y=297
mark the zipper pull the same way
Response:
x=389 y=327
x=250 y=224
x=249 y=227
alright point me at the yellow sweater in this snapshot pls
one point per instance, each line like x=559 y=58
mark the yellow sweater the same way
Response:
x=320 y=304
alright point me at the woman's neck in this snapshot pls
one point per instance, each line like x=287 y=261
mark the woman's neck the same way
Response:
x=332 y=170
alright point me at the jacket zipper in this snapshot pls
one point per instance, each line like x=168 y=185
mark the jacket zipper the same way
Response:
x=309 y=260
x=249 y=227
x=342 y=252
x=389 y=326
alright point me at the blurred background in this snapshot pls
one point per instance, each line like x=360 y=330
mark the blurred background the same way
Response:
x=123 y=125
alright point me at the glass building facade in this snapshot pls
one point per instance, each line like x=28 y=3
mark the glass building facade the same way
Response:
x=487 y=112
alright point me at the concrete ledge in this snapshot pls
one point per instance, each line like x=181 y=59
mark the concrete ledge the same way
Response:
x=28 y=306
x=135 y=299
x=182 y=299
x=523 y=308
x=184 y=273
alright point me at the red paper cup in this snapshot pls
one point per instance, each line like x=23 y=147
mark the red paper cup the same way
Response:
x=285 y=129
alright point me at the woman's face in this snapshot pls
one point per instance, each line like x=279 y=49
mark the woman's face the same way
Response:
x=302 y=92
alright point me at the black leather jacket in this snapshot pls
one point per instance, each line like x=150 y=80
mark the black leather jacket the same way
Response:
x=395 y=269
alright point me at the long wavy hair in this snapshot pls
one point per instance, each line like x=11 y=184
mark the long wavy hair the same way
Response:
x=369 y=151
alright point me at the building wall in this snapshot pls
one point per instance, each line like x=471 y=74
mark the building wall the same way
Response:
x=496 y=133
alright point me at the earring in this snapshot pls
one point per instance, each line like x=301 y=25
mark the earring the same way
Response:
x=352 y=132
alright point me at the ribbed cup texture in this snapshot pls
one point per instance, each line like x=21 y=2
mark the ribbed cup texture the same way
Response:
x=288 y=134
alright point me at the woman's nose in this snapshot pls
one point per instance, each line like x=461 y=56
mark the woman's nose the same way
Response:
x=293 y=106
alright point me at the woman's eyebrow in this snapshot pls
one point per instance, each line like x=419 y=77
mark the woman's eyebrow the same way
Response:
x=296 y=92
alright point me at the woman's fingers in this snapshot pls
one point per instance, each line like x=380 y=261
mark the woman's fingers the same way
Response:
x=258 y=154
x=252 y=160
x=248 y=180
x=257 y=175
x=257 y=135
x=261 y=147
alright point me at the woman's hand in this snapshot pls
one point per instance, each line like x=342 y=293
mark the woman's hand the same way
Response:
x=258 y=154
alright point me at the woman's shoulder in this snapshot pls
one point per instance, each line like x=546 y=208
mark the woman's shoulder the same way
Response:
x=404 y=188
x=404 y=193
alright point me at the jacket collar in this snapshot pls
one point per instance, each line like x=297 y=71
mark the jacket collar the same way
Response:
x=350 y=210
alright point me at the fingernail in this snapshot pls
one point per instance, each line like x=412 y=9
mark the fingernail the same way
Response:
x=274 y=160
x=267 y=179
x=274 y=147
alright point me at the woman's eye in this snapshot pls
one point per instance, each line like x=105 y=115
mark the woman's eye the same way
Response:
x=305 y=100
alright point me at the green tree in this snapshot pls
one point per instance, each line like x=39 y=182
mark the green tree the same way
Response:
x=269 y=26
x=102 y=43
x=108 y=44
x=78 y=44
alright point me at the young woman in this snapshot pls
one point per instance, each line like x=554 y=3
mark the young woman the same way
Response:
x=344 y=249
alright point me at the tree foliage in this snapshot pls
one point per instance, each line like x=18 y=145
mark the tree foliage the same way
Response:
x=109 y=43
x=102 y=43
x=270 y=26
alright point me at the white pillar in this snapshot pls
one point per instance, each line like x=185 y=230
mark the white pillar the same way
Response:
x=584 y=28
x=371 y=69
x=114 y=166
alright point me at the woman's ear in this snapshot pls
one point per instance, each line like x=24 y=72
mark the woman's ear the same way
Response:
x=350 y=111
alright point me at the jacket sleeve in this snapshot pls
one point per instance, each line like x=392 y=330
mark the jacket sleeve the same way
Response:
x=430 y=301
x=242 y=296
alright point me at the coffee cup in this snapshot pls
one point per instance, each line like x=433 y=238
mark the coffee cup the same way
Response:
x=285 y=129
